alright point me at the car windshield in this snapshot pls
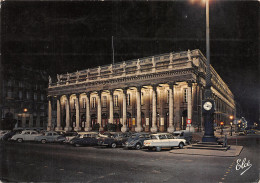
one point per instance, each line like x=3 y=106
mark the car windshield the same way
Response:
x=153 y=137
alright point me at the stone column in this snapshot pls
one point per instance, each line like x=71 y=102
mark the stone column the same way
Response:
x=58 y=128
x=77 y=128
x=99 y=115
x=68 y=127
x=111 y=107
x=189 y=111
x=171 y=108
x=154 y=126
x=88 y=125
x=49 y=114
x=124 y=128
x=138 y=107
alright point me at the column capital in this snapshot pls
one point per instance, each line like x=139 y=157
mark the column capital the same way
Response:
x=154 y=87
x=139 y=88
x=125 y=90
x=189 y=83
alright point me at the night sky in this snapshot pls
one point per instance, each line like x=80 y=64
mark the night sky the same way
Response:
x=62 y=37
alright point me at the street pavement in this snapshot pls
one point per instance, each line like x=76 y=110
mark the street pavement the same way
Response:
x=32 y=162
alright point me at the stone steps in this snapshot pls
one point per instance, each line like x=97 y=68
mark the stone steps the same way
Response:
x=208 y=146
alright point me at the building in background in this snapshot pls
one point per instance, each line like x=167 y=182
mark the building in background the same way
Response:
x=24 y=96
x=157 y=93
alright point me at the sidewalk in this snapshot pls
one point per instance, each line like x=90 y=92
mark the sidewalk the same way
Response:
x=232 y=152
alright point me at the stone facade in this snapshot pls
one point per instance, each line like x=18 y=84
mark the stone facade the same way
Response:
x=24 y=96
x=157 y=93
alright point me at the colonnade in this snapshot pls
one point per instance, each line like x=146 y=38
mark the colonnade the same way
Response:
x=124 y=128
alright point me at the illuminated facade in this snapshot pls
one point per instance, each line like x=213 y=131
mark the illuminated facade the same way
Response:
x=157 y=93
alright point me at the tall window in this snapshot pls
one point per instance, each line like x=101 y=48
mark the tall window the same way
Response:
x=142 y=98
x=128 y=99
x=93 y=102
x=116 y=101
x=42 y=97
x=104 y=104
x=35 y=96
x=20 y=84
x=20 y=94
x=185 y=97
x=27 y=95
x=84 y=103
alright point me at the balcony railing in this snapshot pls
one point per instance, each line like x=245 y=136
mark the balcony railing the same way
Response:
x=145 y=65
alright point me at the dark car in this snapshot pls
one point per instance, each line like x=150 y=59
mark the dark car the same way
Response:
x=10 y=134
x=67 y=137
x=114 y=139
x=85 y=139
x=183 y=135
x=136 y=140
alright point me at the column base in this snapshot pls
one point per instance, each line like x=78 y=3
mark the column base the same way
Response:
x=101 y=128
x=67 y=129
x=154 y=129
x=138 y=129
x=124 y=129
x=170 y=129
x=58 y=128
x=77 y=129
x=48 y=128
x=147 y=128
x=209 y=139
x=161 y=128
x=87 y=129
x=133 y=129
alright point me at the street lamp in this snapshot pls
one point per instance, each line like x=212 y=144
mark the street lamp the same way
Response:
x=231 y=128
x=208 y=102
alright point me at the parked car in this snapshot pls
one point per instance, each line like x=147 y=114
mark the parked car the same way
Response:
x=26 y=135
x=85 y=139
x=250 y=131
x=242 y=133
x=67 y=137
x=49 y=136
x=183 y=135
x=163 y=140
x=2 y=133
x=114 y=139
x=136 y=140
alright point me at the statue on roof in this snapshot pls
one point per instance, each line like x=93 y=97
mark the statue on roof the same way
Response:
x=68 y=76
x=58 y=78
x=50 y=81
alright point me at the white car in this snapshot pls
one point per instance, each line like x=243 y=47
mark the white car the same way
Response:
x=163 y=140
x=26 y=135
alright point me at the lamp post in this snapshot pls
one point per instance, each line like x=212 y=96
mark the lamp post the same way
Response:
x=231 y=123
x=208 y=102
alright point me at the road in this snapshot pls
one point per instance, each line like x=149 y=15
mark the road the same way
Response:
x=63 y=163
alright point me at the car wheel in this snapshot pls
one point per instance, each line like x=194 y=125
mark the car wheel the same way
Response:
x=138 y=146
x=158 y=149
x=43 y=141
x=181 y=145
x=19 y=140
x=113 y=145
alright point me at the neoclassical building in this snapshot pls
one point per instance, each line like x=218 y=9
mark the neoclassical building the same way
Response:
x=157 y=93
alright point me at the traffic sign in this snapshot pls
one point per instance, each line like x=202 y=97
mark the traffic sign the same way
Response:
x=188 y=121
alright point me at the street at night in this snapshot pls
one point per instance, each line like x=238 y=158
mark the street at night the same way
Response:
x=32 y=162
x=177 y=81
